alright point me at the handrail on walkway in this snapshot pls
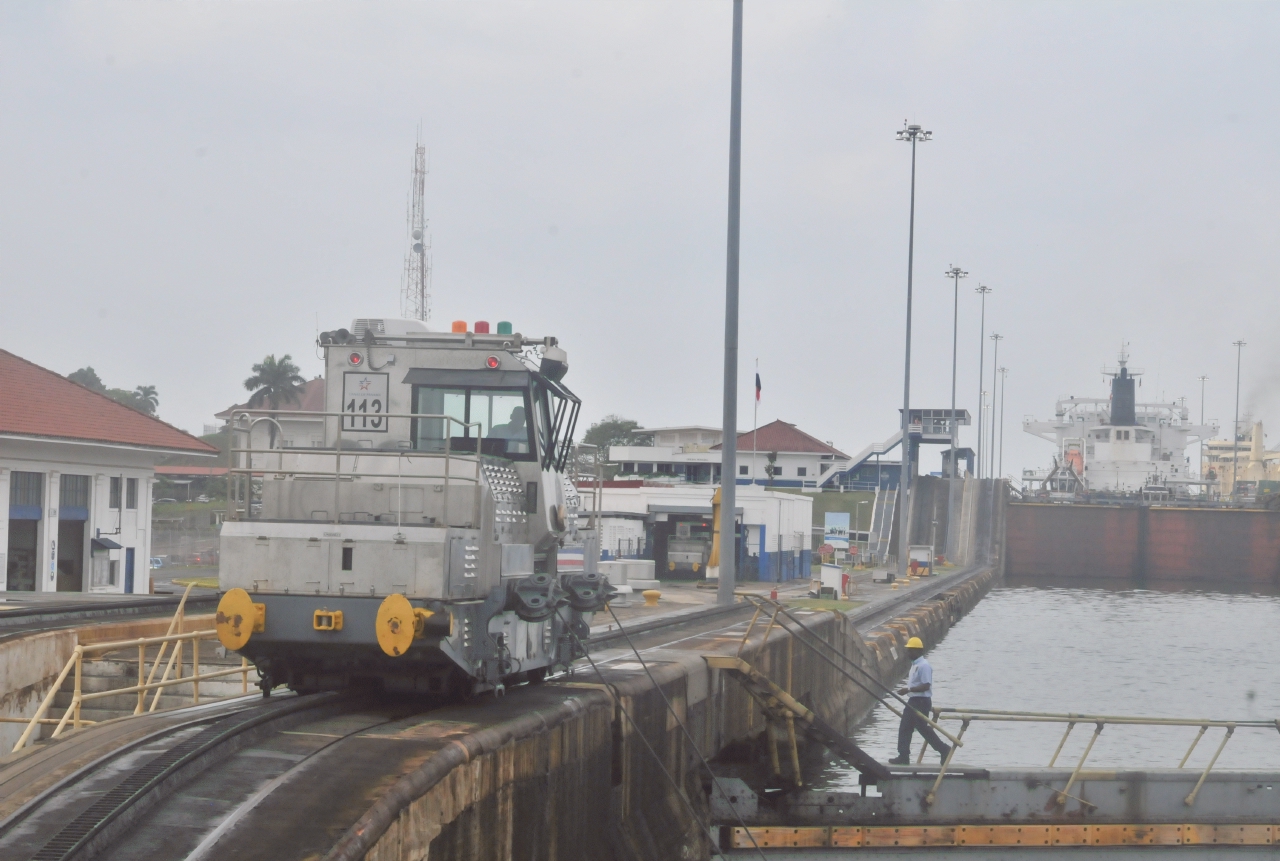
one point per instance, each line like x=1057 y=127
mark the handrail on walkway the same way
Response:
x=967 y=716
x=145 y=682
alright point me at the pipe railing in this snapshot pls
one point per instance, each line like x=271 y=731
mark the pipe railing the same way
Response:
x=241 y=467
x=145 y=682
x=1100 y=722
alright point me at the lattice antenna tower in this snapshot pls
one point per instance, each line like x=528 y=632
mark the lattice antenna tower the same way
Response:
x=416 y=292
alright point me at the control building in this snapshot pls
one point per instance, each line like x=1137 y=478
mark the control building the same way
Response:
x=78 y=470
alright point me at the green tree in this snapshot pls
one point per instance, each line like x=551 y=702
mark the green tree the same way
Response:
x=144 y=399
x=147 y=399
x=88 y=378
x=615 y=430
x=275 y=383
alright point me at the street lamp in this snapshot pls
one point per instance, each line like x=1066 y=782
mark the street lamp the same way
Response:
x=995 y=360
x=955 y=273
x=1235 y=425
x=982 y=291
x=911 y=134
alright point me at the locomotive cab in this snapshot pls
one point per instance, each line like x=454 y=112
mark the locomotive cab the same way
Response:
x=411 y=543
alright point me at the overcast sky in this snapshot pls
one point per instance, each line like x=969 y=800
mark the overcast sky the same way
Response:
x=187 y=187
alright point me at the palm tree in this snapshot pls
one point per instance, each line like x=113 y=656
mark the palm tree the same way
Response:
x=147 y=398
x=274 y=383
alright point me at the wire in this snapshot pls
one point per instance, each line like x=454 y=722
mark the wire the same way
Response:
x=786 y=613
x=684 y=729
x=703 y=824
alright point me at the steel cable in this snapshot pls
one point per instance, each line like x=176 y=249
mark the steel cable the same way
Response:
x=703 y=824
x=684 y=729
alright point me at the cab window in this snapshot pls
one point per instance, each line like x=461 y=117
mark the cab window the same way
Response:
x=501 y=415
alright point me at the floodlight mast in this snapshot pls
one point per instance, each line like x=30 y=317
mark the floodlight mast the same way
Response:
x=911 y=134
x=982 y=291
x=955 y=273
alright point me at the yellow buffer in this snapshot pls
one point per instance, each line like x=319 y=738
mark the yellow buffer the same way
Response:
x=238 y=618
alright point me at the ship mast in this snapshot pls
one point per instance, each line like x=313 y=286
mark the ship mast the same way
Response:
x=416 y=289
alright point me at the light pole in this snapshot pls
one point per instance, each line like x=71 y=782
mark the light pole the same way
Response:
x=1202 y=380
x=955 y=273
x=995 y=360
x=982 y=291
x=911 y=134
x=729 y=445
x=1004 y=374
x=1235 y=425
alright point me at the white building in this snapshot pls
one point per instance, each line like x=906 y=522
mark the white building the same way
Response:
x=77 y=469
x=692 y=454
x=294 y=431
x=775 y=526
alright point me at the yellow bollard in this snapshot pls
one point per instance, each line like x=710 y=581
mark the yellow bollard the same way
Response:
x=651 y=597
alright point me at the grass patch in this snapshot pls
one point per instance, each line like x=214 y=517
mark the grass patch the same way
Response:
x=199 y=582
x=823 y=604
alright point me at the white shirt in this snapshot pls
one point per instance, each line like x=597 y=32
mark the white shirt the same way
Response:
x=921 y=674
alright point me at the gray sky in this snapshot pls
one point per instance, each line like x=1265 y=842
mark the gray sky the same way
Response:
x=189 y=186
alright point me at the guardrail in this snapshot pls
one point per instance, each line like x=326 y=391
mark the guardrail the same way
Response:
x=967 y=716
x=146 y=680
x=242 y=467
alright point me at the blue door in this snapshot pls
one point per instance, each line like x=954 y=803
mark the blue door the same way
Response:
x=128 y=569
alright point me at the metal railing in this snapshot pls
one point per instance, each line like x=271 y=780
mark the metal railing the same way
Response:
x=146 y=679
x=242 y=468
x=967 y=716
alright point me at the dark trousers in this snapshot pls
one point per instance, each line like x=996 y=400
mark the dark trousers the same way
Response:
x=912 y=723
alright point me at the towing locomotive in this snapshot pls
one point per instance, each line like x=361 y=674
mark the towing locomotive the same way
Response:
x=411 y=541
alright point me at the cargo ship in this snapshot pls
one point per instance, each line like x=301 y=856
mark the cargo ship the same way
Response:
x=1117 y=446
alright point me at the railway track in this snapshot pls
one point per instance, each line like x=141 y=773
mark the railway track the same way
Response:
x=276 y=779
x=281 y=778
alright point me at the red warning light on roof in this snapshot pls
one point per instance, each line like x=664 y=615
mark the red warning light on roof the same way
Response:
x=491 y=362
x=482 y=327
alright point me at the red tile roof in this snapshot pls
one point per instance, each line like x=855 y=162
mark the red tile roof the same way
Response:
x=310 y=401
x=783 y=437
x=35 y=401
x=191 y=470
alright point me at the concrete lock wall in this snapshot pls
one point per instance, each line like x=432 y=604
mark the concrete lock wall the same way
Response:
x=580 y=782
x=1143 y=543
x=28 y=668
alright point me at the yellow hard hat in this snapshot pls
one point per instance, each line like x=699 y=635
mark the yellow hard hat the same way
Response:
x=915 y=643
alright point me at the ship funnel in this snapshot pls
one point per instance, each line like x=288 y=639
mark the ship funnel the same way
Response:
x=1123 y=401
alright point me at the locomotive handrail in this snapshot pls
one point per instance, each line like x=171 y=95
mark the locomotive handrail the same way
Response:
x=237 y=425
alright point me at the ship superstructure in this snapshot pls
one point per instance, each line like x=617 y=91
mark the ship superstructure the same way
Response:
x=1117 y=445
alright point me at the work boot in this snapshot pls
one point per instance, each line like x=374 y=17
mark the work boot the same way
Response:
x=945 y=752
x=900 y=760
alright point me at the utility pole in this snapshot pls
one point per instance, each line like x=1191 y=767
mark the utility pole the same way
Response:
x=911 y=134
x=955 y=273
x=995 y=361
x=729 y=445
x=982 y=290
x=1235 y=425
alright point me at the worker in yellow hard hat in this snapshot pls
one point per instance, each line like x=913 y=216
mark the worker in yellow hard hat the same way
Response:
x=919 y=693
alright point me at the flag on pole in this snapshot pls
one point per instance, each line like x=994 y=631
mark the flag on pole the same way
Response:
x=757 y=387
